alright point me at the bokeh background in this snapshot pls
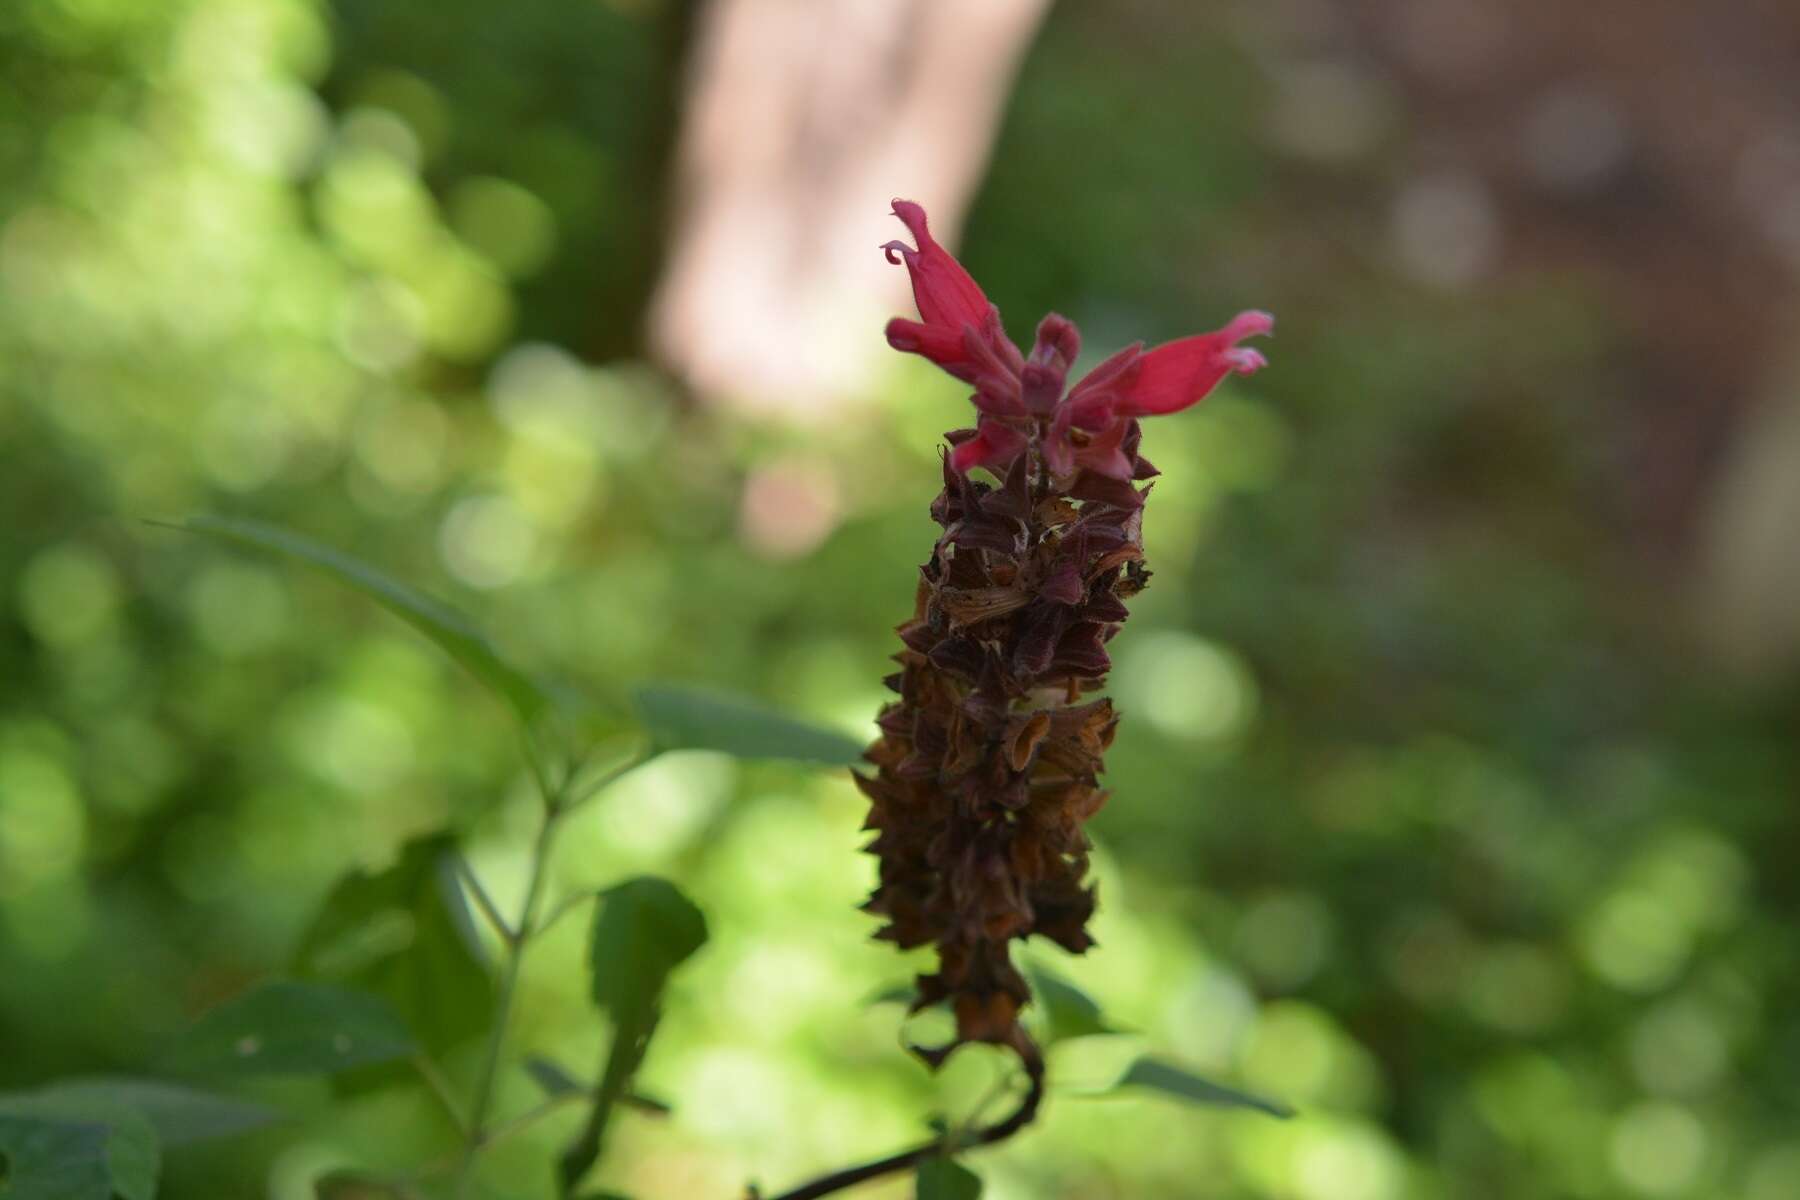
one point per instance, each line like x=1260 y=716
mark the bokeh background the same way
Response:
x=1458 y=796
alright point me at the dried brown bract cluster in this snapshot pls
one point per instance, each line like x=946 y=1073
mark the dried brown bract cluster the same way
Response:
x=989 y=761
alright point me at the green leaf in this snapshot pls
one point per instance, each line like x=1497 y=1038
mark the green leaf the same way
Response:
x=945 y=1179
x=1068 y=1011
x=552 y=1078
x=1171 y=1080
x=178 y=1114
x=899 y=993
x=680 y=718
x=286 y=1028
x=405 y=934
x=53 y=1160
x=360 y=1185
x=643 y=930
x=455 y=633
x=130 y=1152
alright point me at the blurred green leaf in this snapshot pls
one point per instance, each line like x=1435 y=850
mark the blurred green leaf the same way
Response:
x=680 y=718
x=285 y=1028
x=1068 y=1011
x=945 y=1179
x=358 y=1185
x=553 y=1078
x=53 y=1160
x=129 y=1152
x=643 y=930
x=899 y=993
x=1172 y=1080
x=178 y=1114
x=405 y=934
x=454 y=632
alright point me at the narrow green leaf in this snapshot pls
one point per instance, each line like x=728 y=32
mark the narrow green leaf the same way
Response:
x=1172 y=1080
x=946 y=1179
x=178 y=1114
x=1068 y=1011
x=552 y=1078
x=455 y=633
x=643 y=929
x=53 y=1160
x=293 y=1029
x=680 y=718
x=405 y=934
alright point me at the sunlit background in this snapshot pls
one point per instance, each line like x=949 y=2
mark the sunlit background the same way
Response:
x=1457 y=800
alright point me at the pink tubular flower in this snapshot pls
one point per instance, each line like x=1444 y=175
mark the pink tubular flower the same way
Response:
x=1022 y=400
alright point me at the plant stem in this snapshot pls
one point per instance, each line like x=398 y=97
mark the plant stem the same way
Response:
x=440 y=1087
x=482 y=1104
x=1033 y=1063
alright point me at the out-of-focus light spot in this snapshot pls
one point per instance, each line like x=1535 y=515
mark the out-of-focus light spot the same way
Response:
x=1427 y=953
x=404 y=444
x=737 y=1095
x=468 y=310
x=1677 y=1049
x=354 y=743
x=412 y=99
x=1242 y=445
x=1207 y=1017
x=504 y=223
x=1285 y=938
x=1520 y=1094
x=1350 y=1162
x=788 y=508
x=1658 y=1148
x=545 y=391
x=1768 y=186
x=272 y=128
x=486 y=541
x=385 y=133
x=1575 y=139
x=238 y=609
x=1634 y=941
x=1445 y=230
x=376 y=209
x=661 y=807
x=1186 y=687
x=554 y=480
x=43 y=827
x=1775 y=1174
x=1455 y=42
x=1327 y=111
x=780 y=988
x=1517 y=987
x=68 y=594
x=245 y=442
x=1292 y=1052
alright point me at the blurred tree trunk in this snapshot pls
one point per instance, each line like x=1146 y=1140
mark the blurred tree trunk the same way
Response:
x=803 y=121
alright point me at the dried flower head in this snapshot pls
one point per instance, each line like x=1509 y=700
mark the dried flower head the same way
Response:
x=988 y=764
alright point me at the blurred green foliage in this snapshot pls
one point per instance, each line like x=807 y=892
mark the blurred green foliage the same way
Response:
x=1424 y=819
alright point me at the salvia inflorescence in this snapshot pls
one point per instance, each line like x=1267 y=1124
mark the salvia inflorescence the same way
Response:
x=988 y=764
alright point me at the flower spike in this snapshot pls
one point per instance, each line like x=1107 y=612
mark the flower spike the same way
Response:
x=989 y=759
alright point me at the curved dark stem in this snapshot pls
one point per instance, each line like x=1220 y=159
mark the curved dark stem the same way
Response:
x=1033 y=1063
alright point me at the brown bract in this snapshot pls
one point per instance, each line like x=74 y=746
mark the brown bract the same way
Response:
x=988 y=763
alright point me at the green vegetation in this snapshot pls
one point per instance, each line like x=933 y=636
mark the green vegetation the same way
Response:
x=1424 y=822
